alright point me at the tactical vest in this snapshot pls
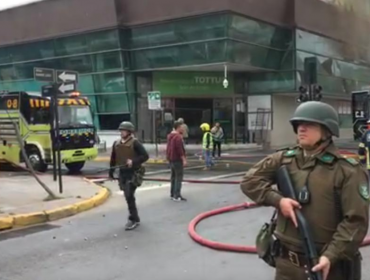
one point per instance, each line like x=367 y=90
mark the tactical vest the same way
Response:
x=124 y=151
x=205 y=140
x=322 y=176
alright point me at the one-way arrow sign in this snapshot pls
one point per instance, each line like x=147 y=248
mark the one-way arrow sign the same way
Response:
x=67 y=76
x=67 y=87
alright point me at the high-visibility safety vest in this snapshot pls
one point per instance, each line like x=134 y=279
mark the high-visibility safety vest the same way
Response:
x=205 y=140
x=364 y=148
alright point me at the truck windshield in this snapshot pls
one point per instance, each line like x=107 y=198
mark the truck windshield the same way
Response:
x=75 y=116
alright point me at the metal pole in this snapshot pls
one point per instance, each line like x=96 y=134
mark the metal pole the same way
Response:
x=57 y=142
x=310 y=91
x=155 y=134
x=52 y=136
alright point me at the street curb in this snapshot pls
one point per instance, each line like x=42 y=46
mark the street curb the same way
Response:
x=107 y=159
x=21 y=220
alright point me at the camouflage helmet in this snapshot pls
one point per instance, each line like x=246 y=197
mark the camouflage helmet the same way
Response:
x=126 y=126
x=317 y=112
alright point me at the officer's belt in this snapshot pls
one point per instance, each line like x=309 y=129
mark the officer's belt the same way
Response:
x=296 y=258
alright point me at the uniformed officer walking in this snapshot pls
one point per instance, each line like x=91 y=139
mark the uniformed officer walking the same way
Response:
x=364 y=148
x=335 y=192
x=128 y=154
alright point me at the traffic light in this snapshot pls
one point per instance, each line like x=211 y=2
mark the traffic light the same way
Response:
x=316 y=90
x=304 y=94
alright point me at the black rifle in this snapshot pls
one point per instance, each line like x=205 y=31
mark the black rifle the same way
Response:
x=286 y=188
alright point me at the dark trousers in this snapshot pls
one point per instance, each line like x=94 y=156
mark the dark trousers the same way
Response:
x=128 y=188
x=177 y=175
x=216 y=144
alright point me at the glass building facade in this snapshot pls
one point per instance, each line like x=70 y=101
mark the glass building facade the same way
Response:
x=112 y=63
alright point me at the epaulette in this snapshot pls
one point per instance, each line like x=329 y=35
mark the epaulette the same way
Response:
x=352 y=161
x=289 y=151
x=327 y=158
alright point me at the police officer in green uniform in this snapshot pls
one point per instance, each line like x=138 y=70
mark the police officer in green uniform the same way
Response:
x=333 y=196
x=128 y=154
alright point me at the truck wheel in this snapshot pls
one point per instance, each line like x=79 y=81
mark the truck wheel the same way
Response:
x=36 y=160
x=75 y=167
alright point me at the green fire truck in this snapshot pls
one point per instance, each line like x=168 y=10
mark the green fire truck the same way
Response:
x=31 y=113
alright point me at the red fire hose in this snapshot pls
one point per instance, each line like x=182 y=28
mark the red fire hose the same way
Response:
x=224 y=246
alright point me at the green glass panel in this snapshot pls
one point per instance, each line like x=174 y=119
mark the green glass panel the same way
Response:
x=191 y=54
x=192 y=29
x=86 y=84
x=81 y=64
x=106 y=61
x=31 y=51
x=335 y=85
x=267 y=82
x=259 y=57
x=71 y=45
x=7 y=73
x=336 y=68
x=22 y=86
x=320 y=45
x=103 y=40
x=260 y=33
x=112 y=103
x=109 y=82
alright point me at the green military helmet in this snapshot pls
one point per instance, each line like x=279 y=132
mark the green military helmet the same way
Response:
x=317 y=112
x=126 y=126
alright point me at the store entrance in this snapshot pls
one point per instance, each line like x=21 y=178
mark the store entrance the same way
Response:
x=195 y=112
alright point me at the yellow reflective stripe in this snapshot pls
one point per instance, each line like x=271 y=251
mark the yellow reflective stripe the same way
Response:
x=82 y=102
x=72 y=102
x=361 y=145
x=362 y=157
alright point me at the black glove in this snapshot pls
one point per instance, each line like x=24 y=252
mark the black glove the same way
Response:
x=111 y=173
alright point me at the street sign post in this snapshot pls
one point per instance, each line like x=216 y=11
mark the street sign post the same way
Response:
x=154 y=103
x=60 y=82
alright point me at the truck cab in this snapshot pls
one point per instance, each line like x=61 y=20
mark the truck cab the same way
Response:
x=32 y=114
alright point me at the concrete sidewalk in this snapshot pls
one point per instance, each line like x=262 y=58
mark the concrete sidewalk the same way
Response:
x=22 y=199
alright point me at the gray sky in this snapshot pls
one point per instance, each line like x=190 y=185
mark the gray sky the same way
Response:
x=6 y=4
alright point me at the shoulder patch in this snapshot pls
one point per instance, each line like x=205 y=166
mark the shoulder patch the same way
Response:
x=327 y=158
x=352 y=161
x=364 y=191
x=290 y=153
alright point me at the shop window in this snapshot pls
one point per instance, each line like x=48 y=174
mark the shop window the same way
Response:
x=112 y=121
